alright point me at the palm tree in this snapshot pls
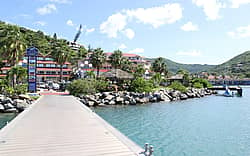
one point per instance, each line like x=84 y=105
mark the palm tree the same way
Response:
x=16 y=75
x=126 y=65
x=116 y=59
x=61 y=52
x=186 y=76
x=90 y=74
x=97 y=59
x=139 y=71
x=80 y=54
x=12 y=44
x=159 y=66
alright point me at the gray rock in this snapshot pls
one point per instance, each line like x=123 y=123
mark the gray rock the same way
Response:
x=132 y=101
x=126 y=102
x=109 y=97
x=153 y=99
x=119 y=100
x=11 y=110
x=105 y=94
x=112 y=102
x=8 y=106
x=102 y=105
x=1 y=108
x=183 y=97
x=163 y=97
x=91 y=103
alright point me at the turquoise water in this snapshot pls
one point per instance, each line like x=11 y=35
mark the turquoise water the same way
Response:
x=4 y=117
x=210 y=126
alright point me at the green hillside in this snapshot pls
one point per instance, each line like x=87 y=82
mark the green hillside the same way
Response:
x=192 y=68
x=238 y=66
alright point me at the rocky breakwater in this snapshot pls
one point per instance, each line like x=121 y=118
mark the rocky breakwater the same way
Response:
x=15 y=104
x=131 y=98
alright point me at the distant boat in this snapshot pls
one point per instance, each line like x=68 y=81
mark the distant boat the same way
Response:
x=227 y=93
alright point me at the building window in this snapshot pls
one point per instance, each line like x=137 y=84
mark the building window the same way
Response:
x=53 y=65
x=39 y=65
x=48 y=59
x=47 y=65
x=40 y=72
x=40 y=58
x=65 y=73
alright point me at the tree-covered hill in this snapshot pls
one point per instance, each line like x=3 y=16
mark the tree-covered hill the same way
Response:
x=193 y=68
x=238 y=66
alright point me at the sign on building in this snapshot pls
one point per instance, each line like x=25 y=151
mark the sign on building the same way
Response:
x=32 y=54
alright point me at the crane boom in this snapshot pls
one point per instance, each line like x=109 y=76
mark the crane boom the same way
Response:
x=78 y=33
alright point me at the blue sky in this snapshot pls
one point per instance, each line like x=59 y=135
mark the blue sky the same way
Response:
x=185 y=31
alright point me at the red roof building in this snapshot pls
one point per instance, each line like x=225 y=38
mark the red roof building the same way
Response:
x=47 y=69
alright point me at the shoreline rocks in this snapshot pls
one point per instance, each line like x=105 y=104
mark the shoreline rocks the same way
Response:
x=132 y=98
x=14 y=105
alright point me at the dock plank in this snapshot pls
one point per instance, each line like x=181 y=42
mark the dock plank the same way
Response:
x=61 y=125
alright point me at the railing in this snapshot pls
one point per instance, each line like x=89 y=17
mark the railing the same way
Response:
x=148 y=150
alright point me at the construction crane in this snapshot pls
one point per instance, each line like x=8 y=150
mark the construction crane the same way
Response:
x=78 y=34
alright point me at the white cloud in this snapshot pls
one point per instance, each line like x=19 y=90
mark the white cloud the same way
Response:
x=70 y=23
x=90 y=30
x=41 y=23
x=137 y=50
x=113 y=25
x=47 y=9
x=157 y=16
x=193 y=53
x=129 y=33
x=210 y=7
x=240 y=32
x=237 y=3
x=122 y=46
x=189 y=26
x=61 y=1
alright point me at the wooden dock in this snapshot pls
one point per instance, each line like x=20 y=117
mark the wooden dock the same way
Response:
x=237 y=88
x=62 y=126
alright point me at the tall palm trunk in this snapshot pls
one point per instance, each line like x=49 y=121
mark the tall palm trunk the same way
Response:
x=97 y=72
x=61 y=73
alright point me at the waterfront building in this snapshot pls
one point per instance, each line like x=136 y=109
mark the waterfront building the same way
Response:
x=47 y=69
x=135 y=59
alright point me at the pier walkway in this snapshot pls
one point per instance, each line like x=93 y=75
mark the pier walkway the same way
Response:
x=62 y=126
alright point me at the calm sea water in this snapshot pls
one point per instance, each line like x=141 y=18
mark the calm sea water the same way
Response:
x=210 y=126
x=4 y=117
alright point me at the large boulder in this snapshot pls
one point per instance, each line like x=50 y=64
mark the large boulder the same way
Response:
x=11 y=110
x=112 y=102
x=1 y=108
x=119 y=100
x=23 y=96
x=132 y=101
x=8 y=106
x=109 y=97
x=21 y=104
x=2 y=97
x=163 y=97
x=183 y=97
x=91 y=103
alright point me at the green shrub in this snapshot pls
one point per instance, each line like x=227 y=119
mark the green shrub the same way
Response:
x=87 y=86
x=20 y=89
x=141 y=85
x=197 y=85
x=101 y=85
x=178 y=86
x=203 y=82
